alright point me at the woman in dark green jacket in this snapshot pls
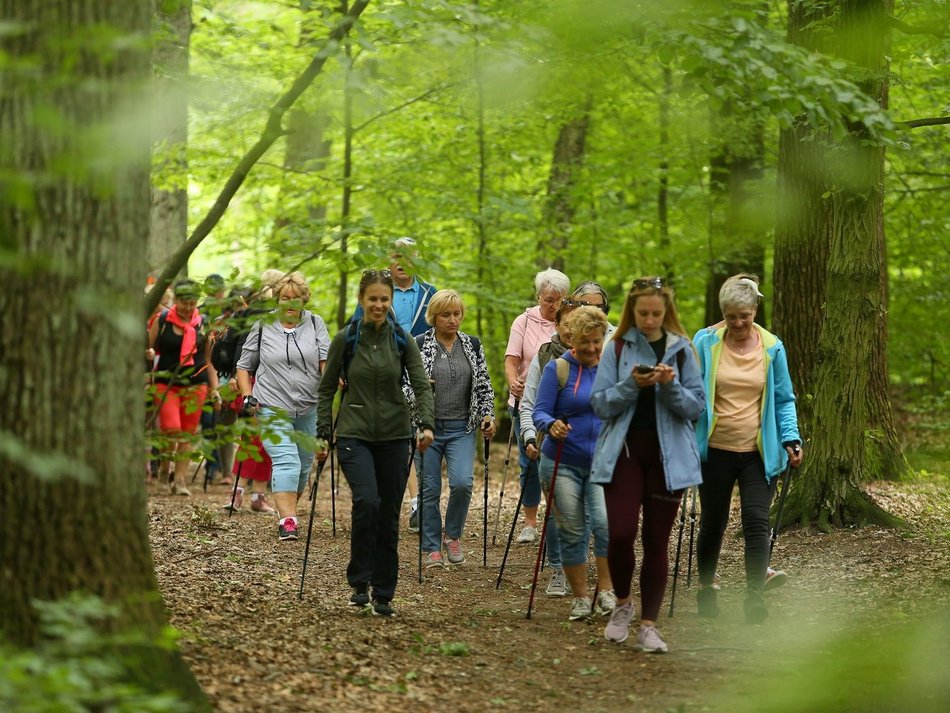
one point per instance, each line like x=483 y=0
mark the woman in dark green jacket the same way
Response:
x=373 y=433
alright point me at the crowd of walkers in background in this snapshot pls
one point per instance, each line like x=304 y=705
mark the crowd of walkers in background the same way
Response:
x=613 y=425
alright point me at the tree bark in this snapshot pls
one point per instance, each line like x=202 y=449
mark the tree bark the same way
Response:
x=846 y=365
x=561 y=203
x=71 y=406
x=169 y=213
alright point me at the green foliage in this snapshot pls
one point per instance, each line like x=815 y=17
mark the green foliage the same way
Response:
x=79 y=665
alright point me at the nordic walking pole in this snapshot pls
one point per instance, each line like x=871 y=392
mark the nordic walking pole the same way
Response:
x=485 y=509
x=679 y=547
x=412 y=457
x=333 y=474
x=786 y=483
x=195 y=474
x=692 y=529
x=511 y=535
x=237 y=479
x=504 y=479
x=548 y=505
x=313 y=508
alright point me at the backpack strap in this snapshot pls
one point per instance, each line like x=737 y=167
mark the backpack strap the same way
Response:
x=618 y=347
x=563 y=368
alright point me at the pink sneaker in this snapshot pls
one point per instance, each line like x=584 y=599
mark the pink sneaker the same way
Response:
x=259 y=504
x=238 y=500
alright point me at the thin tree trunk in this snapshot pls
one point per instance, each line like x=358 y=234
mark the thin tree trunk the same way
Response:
x=560 y=205
x=480 y=217
x=341 y=311
x=169 y=214
x=663 y=188
x=71 y=493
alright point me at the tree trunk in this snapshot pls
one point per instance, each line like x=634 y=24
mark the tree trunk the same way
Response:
x=169 y=214
x=560 y=206
x=735 y=236
x=663 y=185
x=346 y=201
x=845 y=365
x=71 y=406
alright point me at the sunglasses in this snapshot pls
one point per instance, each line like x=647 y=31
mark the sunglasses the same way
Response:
x=581 y=303
x=385 y=274
x=646 y=283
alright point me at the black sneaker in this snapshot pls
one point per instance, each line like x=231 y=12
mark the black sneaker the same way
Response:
x=706 y=602
x=383 y=607
x=287 y=529
x=360 y=596
x=755 y=609
x=414 y=520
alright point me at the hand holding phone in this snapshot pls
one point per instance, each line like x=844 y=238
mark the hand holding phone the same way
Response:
x=644 y=369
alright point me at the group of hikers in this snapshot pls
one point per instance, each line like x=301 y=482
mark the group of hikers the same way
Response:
x=613 y=424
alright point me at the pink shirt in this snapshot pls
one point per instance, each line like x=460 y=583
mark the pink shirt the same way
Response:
x=528 y=332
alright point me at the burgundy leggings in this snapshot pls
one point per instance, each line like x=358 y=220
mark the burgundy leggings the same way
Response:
x=639 y=482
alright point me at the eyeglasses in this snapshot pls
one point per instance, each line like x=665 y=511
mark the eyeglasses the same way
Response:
x=581 y=303
x=385 y=274
x=646 y=283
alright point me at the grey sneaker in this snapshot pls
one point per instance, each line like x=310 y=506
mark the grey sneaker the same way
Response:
x=773 y=579
x=649 y=641
x=453 y=549
x=528 y=534
x=434 y=560
x=414 y=520
x=618 y=628
x=557 y=587
x=606 y=601
x=580 y=609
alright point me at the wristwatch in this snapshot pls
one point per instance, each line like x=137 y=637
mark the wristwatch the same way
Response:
x=249 y=402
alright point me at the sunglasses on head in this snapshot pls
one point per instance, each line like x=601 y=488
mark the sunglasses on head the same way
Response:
x=385 y=274
x=646 y=283
x=581 y=303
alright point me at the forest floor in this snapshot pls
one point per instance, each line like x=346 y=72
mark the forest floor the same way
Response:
x=855 y=628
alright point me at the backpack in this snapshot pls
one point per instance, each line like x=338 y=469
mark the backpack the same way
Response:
x=225 y=350
x=352 y=339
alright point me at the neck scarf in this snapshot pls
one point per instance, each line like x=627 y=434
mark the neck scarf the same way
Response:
x=189 y=336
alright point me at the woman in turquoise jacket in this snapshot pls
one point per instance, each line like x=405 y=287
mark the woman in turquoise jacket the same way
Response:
x=648 y=392
x=747 y=434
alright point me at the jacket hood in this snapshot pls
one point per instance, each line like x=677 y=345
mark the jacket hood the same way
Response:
x=534 y=315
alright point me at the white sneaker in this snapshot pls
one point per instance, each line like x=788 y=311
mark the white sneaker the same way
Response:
x=557 y=587
x=649 y=641
x=528 y=534
x=773 y=579
x=618 y=628
x=606 y=601
x=580 y=609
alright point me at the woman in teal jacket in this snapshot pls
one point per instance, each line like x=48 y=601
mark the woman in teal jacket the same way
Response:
x=747 y=434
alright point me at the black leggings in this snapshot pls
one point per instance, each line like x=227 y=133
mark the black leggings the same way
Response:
x=721 y=471
x=376 y=472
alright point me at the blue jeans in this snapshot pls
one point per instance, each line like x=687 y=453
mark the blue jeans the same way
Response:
x=528 y=477
x=579 y=509
x=457 y=447
x=291 y=462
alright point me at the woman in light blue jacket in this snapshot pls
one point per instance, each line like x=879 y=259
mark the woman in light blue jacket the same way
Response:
x=747 y=434
x=648 y=392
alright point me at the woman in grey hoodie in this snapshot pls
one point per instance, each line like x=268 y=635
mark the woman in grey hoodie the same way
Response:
x=286 y=354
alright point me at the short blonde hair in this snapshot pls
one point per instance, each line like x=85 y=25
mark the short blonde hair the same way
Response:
x=441 y=301
x=296 y=282
x=585 y=321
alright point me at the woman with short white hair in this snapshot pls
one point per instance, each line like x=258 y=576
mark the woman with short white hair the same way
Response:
x=529 y=331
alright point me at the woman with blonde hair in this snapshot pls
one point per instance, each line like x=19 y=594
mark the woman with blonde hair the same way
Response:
x=648 y=391
x=464 y=404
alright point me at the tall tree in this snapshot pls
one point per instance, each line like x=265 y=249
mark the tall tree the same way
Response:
x=71 y=403
x=845 y=367
x=169 y=214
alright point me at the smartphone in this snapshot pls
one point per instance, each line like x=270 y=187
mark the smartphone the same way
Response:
x=644 y=369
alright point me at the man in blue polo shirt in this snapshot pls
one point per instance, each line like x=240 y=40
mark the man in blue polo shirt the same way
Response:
x=411 y=296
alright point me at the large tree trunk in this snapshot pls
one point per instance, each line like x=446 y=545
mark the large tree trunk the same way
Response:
x=561 y=202
x=169 y=214
x=848 y=371
x=71 y=401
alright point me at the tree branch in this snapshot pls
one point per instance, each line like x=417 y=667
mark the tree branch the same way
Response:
x=914 y=30
x=931 y=121
x=398 y=107
x=272 y=131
